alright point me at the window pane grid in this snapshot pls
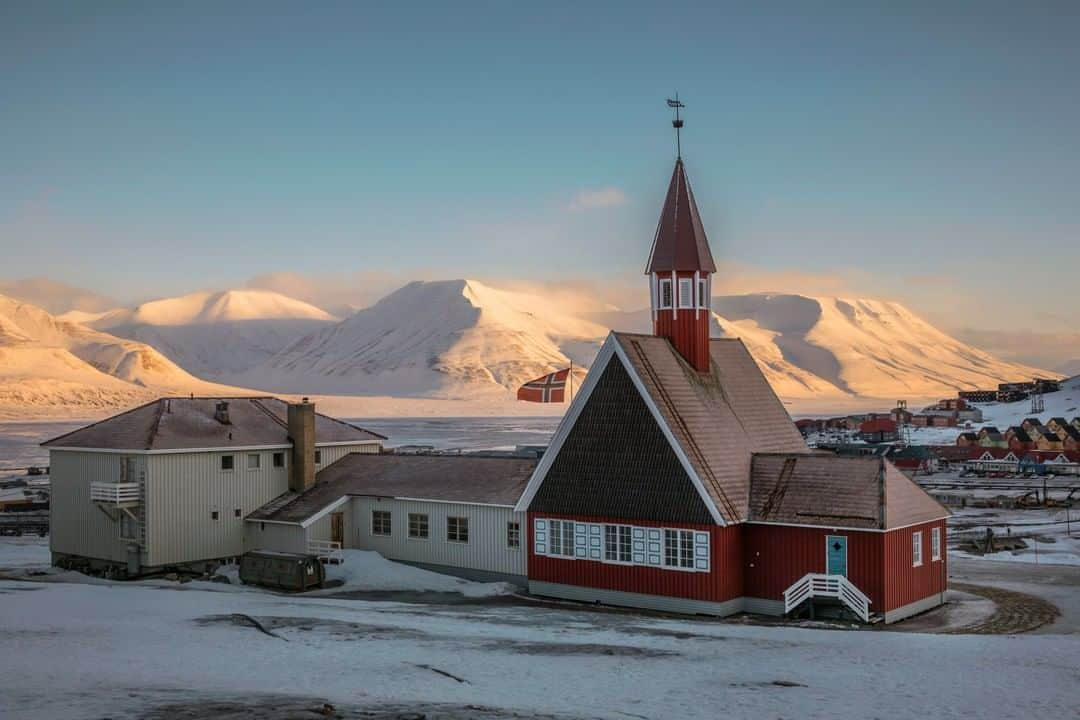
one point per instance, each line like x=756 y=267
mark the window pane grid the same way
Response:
x=513 y=535
x=457 y=529
x=418 y=525
x=380 y=522
x=669 y=548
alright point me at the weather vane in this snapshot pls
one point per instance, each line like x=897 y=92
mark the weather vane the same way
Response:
x=677 y=123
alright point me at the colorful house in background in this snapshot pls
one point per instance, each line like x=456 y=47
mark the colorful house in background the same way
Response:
x=878 y=430
x=677 y=481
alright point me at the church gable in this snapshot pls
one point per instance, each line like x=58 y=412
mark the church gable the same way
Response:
x=616 y=462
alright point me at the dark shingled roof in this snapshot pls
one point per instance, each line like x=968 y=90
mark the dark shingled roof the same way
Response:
x=853 y=492
x=182 y=423
x=718 y=418
x=680 y=242
x=450 y=478
x=616 y=462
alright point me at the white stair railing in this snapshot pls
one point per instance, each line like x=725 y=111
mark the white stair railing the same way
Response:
x=814 y=585
x=327 y=551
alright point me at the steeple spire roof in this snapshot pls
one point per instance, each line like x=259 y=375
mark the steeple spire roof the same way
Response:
x=680 y=243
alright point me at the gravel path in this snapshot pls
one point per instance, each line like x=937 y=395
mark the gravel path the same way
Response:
x=1015 y=612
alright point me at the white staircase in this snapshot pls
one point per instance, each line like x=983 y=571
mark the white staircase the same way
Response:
x=813 y=585
x=328 y=551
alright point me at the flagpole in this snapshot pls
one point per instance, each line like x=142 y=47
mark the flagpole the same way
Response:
x=571 y=381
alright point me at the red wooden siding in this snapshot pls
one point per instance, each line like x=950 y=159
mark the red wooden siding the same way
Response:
x=776 y=556
x=722 y=582
x=688 y=329
x=905 y=583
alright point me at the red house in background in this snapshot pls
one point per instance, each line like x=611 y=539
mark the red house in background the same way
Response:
x=677 y=481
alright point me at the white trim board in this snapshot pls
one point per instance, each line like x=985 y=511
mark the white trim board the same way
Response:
x=683 y=459
x=566 y=424
x=325 y=511
x=611 y=348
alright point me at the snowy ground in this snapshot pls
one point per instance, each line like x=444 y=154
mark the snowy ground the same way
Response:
x=70 y=650
x=1052 y=534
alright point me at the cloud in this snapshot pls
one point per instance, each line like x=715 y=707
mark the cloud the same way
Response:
x=593 y=199
x=56 y=297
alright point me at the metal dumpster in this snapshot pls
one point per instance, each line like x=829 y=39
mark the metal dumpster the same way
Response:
x=283 y=571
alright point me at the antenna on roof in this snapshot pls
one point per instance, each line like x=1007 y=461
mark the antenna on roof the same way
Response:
x=677 y=123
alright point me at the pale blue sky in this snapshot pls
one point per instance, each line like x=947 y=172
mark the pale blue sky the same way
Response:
x=153 y=148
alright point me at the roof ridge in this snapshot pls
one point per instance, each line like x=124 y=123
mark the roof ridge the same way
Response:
x=95 y=424
x=351 y=426
x=157 y=421
x=269 y=413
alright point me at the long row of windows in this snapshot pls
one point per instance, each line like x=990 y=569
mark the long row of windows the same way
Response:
x=686 y=294
x=254 y=460
x=670 y=548
x=419 y=528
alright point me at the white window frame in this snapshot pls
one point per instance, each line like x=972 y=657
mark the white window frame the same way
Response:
x=916 y=549
x=232 y=463
x=318 y=457
x=703 y=293
x=561 y=538
x=258 y=461
x=620 y=532
x=273 y=460
x=664 y=302
x=419 y=518
x=389 y=523
x=686 y=292
x=935 y=544
x=460 y=521
x=683 y=561
x=513 y=531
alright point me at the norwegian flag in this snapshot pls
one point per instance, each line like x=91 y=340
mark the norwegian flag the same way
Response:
x=550 y=388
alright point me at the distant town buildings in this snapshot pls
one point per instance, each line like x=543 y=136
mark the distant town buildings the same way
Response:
x=1011 y=392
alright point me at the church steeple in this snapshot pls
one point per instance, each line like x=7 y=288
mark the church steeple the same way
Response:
x=680 y=269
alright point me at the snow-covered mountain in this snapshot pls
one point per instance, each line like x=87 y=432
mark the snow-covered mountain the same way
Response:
x=464 y=339
x=214 y=334
x=819 y=347
x=50 y=366
x=461 y=338
x=448 y=339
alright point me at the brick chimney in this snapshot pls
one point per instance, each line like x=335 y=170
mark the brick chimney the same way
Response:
x=302 y=436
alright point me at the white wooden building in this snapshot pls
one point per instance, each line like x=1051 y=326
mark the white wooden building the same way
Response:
x=451 y=514
x=168 y=484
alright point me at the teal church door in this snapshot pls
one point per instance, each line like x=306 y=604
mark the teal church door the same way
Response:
x=836 y=555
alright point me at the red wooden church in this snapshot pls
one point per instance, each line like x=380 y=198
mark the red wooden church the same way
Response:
x=677 y=481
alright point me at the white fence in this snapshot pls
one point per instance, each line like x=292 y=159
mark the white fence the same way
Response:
x=115 y=493
x=814 y=585
x=326 y=550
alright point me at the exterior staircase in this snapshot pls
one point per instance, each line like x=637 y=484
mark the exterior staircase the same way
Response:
x=834 y=587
